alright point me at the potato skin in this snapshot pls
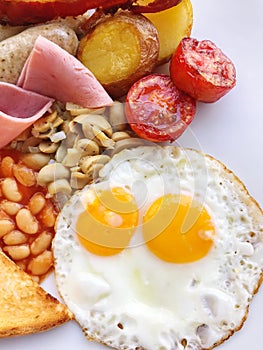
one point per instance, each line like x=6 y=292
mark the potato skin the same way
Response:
x=148 y=47
x=15 y=50
x=173 y=25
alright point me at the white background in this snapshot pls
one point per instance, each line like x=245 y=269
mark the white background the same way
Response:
x=230 y=130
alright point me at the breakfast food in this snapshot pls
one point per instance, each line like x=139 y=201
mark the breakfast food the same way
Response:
x=173 y=25
x=117 y=265
x=17 y=12
x=52 y=71
x=27 y=217
x=202 y=70
x=156 y=110
x=16 y=117
x=15 y=50
x=152 y=5
x=25 y=308
x=119 y=49
x=70 y=144
x=6 y=31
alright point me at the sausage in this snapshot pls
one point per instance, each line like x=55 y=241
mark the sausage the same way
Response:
x=75 y=23
x=15 y=50
x=6 y=31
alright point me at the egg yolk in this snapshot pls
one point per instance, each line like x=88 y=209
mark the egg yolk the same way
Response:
x=109 y=221
x=178 y=229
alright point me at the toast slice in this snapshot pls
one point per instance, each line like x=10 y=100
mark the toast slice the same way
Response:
x=25 y=307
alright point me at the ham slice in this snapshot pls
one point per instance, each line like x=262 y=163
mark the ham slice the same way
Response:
x=18 y=110
x=52 y=71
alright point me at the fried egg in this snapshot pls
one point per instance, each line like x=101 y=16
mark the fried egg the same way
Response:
x=163 y=252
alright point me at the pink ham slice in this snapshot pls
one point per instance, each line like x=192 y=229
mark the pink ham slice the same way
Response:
x=52 y=71
x=18 y=110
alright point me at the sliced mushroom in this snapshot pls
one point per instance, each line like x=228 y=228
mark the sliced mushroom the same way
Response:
x=88 y=147
x=77 y=110
x=59 y=185
x=117 y=116
x=57 y=122
x=44 y=124
x=120 y=135
x=130 y=142
x=61 y=152
x=52 y=172
x=48 y=147
x=30 y=142
x=72 y=157
x=87 y=162
x=102 y=138
x=78 y=180
x=95 y=120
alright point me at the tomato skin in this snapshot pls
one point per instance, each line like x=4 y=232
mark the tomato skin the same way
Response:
x=156 y=110
x=202 y=70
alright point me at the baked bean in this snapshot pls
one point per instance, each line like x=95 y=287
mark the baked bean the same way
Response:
x=10 y=190
x=11 y=208
x=7 y=166
x=6 y=226
x=41 y=263
x=41 y=243
x=35 y=161
x=47 y=216
x=27 y=216
x=24 y=175
x=17 y=252
x=3 y=214
x=36 y=203
x=15 y=237
x=26 y=222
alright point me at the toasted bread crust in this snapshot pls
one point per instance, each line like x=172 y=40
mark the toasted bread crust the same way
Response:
x=25 y=307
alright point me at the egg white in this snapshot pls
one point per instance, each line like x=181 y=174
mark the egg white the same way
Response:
x=134 y=300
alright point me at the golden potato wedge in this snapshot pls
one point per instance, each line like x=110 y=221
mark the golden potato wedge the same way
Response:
x=119 y=49
x=172 y=24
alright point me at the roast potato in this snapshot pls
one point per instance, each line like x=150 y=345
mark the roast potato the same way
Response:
x=119 y=49
x=173 y=25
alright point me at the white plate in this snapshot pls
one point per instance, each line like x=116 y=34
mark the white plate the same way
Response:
x=230 y=130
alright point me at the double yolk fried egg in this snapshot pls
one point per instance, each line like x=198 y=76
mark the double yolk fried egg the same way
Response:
x=163 y=252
